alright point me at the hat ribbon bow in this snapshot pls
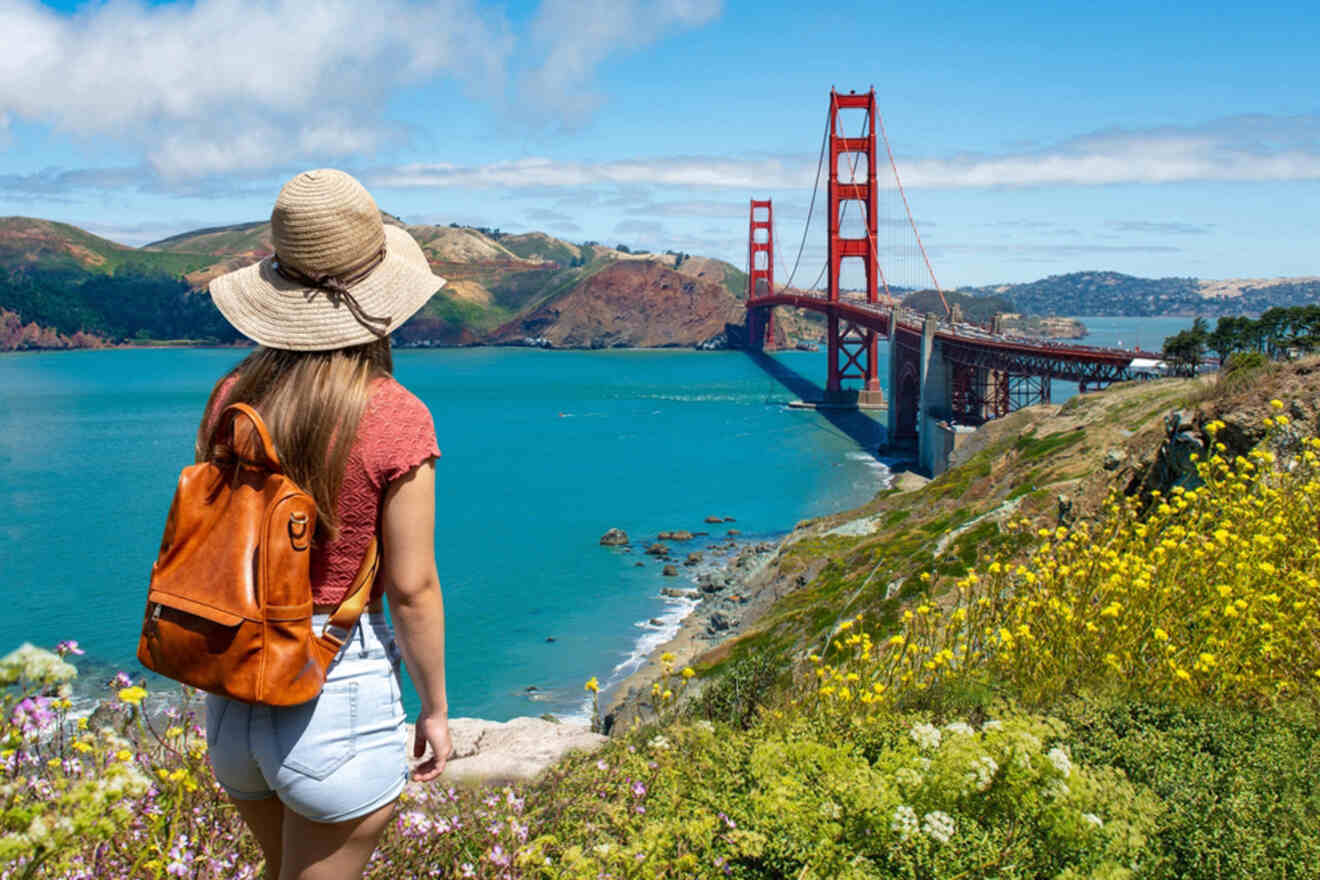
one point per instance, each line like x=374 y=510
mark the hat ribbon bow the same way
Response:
x=336 y=288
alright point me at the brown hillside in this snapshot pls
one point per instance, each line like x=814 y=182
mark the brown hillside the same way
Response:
x=630 y=303
x=30 y=240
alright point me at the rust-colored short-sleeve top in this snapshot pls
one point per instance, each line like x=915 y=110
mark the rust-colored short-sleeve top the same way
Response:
x=395 y=435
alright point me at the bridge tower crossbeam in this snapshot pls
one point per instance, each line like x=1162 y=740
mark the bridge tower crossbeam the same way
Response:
x=761 y=272
x=852 y=348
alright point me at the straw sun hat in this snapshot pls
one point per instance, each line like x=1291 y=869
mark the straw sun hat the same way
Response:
x=338 y=277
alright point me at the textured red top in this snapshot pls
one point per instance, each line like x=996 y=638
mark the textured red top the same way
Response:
x=395 y=435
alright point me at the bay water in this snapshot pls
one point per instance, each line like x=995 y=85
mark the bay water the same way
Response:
x=542 y=452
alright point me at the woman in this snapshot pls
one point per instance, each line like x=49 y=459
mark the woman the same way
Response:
x=316 y=783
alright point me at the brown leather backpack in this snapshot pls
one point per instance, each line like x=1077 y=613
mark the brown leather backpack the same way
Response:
x=229 y=609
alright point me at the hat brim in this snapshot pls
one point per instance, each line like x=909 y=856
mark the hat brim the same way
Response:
x=275 y=312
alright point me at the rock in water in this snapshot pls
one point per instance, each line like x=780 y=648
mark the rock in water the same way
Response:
x=669 y=571
x=680 y=535
x=614 y=538
x=714 y=519
x=657 y=550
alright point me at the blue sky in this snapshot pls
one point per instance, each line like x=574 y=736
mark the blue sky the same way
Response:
x=1034 y=138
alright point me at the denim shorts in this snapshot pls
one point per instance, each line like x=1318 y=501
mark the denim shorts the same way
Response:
x=334 y=758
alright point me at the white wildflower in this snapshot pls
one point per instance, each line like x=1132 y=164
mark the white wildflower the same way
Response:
x=923 y=764
x=982 y=773
x=938 y=826
x=659 y=741
x=705 y=725
x=907 y=777
x=992 y=725
x=830 y=810
x=1058 y=789
x=1093 y=819
x=926 y=736
x=1059 y=758
x=959 y=728
x=904 y=823
x=30 y=663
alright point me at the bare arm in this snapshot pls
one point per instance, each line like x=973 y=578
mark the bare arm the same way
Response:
x=412 y=586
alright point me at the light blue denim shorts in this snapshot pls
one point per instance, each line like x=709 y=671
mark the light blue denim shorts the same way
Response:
x=335 y=758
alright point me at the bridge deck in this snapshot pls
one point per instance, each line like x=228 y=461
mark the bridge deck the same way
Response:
x=963 y=336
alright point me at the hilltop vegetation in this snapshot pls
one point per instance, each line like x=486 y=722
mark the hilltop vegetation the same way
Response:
x=977 y=309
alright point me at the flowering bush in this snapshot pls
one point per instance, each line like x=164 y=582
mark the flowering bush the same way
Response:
x=1212 y=593
x=119 y=799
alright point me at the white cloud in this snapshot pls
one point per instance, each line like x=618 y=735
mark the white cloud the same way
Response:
x=238 y=84
x=574 y=36
x=1237 y=149
x=1243 y=148
x=681 y=171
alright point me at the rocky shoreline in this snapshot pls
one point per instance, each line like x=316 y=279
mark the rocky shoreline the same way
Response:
x=730 y=599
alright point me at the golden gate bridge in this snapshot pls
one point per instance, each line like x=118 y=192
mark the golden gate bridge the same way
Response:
x=943 y=372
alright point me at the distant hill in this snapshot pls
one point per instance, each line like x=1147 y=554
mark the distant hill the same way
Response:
x=977 y=309
x=1112 y=293
x=61 y=286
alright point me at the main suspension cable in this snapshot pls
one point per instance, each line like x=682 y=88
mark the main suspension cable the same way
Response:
x=908 y=208
x=820 y=162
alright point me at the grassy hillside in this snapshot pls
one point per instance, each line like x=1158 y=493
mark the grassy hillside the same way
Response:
x=243 y=238
x=28 y=243
x=543 y=248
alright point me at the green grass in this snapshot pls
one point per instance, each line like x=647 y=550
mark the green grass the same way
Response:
x=1029 y=446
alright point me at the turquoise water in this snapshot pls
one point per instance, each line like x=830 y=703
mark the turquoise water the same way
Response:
x=542 y=452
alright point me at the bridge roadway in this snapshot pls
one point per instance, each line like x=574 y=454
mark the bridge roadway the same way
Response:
x=968 y=343
x=944 y=375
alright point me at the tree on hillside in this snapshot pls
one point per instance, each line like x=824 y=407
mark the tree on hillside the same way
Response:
x=1185 y=349
x=1230 y=335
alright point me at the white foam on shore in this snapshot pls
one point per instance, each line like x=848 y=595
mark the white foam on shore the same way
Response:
x=653 y=636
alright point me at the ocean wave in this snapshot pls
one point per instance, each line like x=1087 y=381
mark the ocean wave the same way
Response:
x=654 y=635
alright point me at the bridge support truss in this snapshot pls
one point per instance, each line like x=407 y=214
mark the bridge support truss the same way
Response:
x=852 y=347
x=979 y=393
x=761 y=273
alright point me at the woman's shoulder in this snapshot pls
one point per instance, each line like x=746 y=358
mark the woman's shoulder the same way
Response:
x=397 y=432
x=391 y=399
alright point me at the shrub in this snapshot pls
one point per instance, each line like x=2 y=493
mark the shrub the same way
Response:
x=739 y=691
x=1241 y=789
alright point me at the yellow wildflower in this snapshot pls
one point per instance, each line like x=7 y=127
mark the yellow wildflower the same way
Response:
x=133 y=695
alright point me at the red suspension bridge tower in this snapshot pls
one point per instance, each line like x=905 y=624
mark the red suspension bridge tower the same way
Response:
x=761 y=272
x=852 y=347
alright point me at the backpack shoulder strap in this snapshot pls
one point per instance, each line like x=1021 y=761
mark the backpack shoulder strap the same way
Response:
x=267 y=450
x=346 y=615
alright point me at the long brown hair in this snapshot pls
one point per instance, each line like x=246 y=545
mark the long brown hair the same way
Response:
x=312 y=402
